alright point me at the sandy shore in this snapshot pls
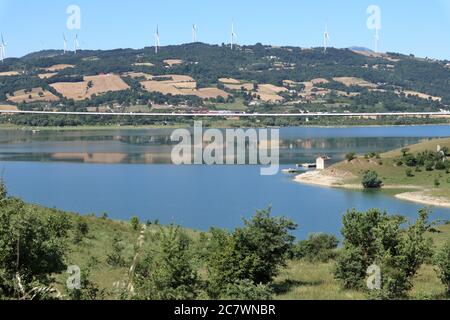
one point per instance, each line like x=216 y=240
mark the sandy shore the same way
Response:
x=423 y=198
x=327 y=178
x=338 y=179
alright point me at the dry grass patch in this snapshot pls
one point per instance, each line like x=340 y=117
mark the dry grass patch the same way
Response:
x=100 y=84
x=58 y=67
x=9 y=73
x=143 y=64
x=352 y=81
x=238 y=87
x=35 y=95
x=47 y=75
x=8 y=107
x=173 y=62
x=410 y=93
x=229 y=81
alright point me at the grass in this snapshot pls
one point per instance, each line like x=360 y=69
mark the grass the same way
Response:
x=300 y=280
x=394 y=177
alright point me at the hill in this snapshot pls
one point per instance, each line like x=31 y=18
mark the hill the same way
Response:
x=419 y=173
x=106 y=250
x=201 y=77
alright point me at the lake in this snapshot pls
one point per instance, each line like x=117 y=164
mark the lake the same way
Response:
x=128 y=172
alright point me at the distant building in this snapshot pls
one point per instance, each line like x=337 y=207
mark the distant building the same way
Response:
x=322 y=162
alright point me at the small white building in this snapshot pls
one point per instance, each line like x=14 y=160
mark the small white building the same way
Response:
x=322 y=162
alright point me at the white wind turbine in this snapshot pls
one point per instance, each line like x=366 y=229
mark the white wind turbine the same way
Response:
x=76 y=43
x=233 y=35
x=65 y=43
x=326 y=38
x=2 y=49
x=194 y=33
x=157 y=40
x=377 y=39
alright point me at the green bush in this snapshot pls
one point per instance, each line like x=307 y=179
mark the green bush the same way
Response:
x=442 y=263
x=318 y=247
x=375 y=238
x=255 y=252
x=115 y=257
x=168 y=274
x=246 y=290
x=371 y=180
x=350 y=156
x=135 y=223
x=409 y=173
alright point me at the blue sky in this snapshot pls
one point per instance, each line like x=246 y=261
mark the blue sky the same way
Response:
x=413 y=26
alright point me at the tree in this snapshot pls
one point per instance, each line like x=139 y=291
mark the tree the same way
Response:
x=350 y=156
x=30 y=250
x=318 y=247
x=375 y=238
x=371 y=180
x=405 y=151
x=255 y=252
x=88 y=290
x=115 y=258
x=168 y=274
x=135 y=223
x=442 y=263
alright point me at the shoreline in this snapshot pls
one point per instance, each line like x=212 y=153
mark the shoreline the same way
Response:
x=181 y=126
x=337 y=180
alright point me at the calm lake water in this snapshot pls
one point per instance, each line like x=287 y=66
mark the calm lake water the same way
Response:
x=128 y=172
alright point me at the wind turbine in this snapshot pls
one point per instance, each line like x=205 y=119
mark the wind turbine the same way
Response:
x=233 y=35
x=2 y=49
x=194 y=33
x=76 y=43
x=157 y=40
x=65 y=43
x=377 y=39
x=326 y=38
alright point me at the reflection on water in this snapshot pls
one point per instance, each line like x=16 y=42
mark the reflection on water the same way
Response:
x=154 y=146
x=48 y=168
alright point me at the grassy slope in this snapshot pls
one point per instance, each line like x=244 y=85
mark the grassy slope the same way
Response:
x=309 y=281
x=393 y=175
x=299 y=280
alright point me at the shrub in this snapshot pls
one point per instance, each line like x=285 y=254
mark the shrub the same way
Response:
x=442 y=262
x=246 y=290
x=377 y=238
x=405 y=151
x=410 y=160
x=371 y=181
x=409 y=173
x=255 y=252
x=41 y=252
x=318 y=247
x=168 y=274
x=440 y=165
x=115 y=257
x=135 y=223
x=350 y=156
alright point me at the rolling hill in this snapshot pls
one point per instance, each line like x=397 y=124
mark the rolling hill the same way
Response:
x=203 y=77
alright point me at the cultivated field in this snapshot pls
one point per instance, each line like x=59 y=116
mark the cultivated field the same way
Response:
x=100 y=84
x=58 y=67
x=181 y=85
x=9 y=73
x=352 y=81
x=8 y=107
x=173 y=62
x=36 y=94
